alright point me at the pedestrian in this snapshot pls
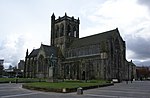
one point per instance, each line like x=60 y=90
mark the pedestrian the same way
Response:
x=126 y=81
x=141 y=78
x=131 y=80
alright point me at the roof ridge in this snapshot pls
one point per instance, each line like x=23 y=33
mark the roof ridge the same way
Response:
x=34 y=52
x=94 y=39
x=45 y=45
x=99 y=33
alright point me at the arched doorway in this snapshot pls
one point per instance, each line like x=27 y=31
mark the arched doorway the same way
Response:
x=83 y=75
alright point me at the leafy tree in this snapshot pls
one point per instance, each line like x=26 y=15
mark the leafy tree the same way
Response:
x=143 y=72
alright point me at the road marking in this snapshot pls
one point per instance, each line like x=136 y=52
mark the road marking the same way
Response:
x=107 y=96
x=19 y=95
x=11 y=89
x=7 y=87
x=134 y=92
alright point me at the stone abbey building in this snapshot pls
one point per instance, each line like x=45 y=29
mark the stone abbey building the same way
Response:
x=99 y=56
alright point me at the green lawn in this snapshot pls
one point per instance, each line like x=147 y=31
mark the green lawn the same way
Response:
x=66 y=84
x=70 y=85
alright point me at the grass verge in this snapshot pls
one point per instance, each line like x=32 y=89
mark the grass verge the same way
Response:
x=20 y=80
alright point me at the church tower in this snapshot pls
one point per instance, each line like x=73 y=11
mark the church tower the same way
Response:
x=64 y=31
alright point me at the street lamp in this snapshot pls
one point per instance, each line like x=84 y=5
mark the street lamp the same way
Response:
x=128 y=70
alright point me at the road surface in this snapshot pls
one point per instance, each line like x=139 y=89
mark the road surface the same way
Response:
x=137 y=89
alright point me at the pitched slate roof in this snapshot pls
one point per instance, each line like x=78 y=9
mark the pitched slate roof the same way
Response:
x=94 y=39
x=34 y=53
x=49 y=50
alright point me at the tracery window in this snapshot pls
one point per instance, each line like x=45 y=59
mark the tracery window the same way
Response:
x=40 y=63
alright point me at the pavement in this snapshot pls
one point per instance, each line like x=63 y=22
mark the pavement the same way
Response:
x=136 y=89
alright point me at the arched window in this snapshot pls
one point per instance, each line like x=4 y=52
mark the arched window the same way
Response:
x=74 y=32
x=69 y=31
x=57 y=31
x=62 y=30
x=67 y=69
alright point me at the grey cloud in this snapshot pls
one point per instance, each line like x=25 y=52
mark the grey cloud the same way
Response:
x=139 y=30
x=140 y=46
x=144 y=63
x=145 y=2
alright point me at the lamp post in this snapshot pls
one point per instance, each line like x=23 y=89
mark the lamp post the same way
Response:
x=132 y=71
x=118 y=70
x=128 y=70
x=105 y=73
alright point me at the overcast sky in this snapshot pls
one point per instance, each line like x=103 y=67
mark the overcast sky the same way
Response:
x=26 y=23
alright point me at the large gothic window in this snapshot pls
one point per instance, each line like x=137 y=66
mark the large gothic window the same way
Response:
x=40 y=63
x=117 y=58
x=62 y=30
x=117 y=45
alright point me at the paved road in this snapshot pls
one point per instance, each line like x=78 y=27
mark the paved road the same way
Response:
x=137 y=89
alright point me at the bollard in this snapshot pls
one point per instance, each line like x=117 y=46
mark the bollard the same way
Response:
x=111 y=82
x=64 y=90
x=79 y=91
